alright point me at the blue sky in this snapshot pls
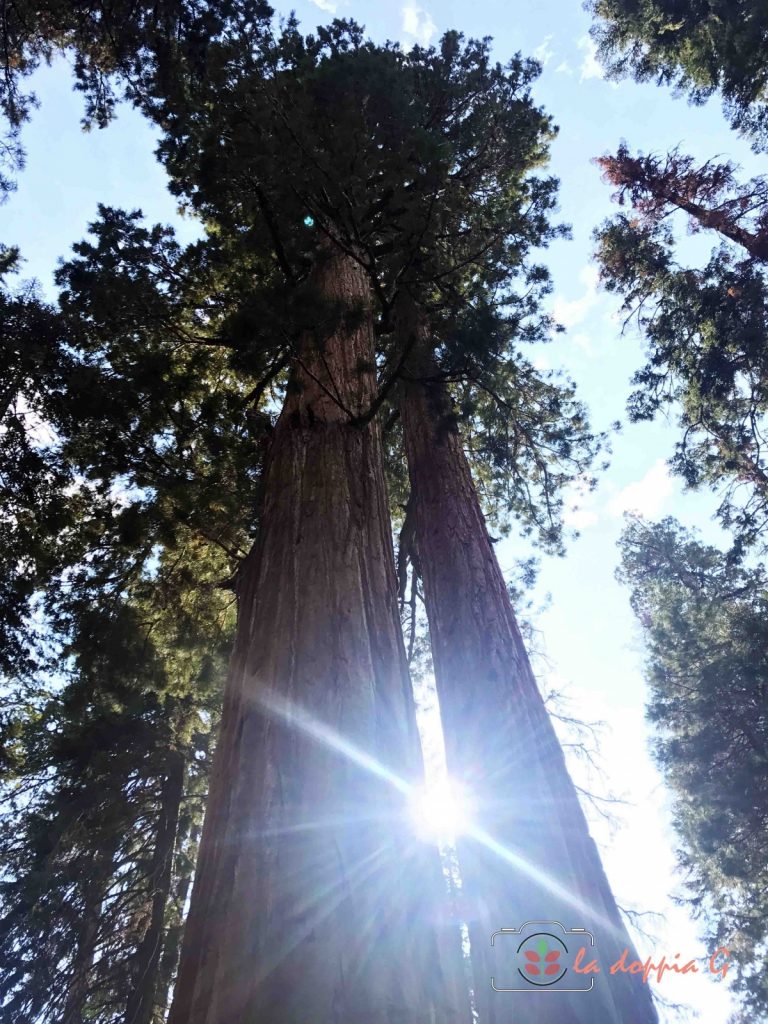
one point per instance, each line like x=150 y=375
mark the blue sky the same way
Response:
x=591 y=640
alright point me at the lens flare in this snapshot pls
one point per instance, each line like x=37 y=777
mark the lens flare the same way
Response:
x=440 y=811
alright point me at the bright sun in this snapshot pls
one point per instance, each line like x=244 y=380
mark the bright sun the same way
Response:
x=439 y=811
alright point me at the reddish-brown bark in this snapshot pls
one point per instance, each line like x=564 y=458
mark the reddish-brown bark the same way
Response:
x=538 y=861
x=653 y=186
x=312 y=902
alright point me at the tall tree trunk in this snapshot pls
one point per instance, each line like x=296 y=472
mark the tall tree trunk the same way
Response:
x=312 y=901
x=87 y=937
x=187 y=843
x=142 y=1000
x=90 y=929
x=530 y=856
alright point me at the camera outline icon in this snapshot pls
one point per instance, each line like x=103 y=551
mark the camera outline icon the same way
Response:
x=531 y=986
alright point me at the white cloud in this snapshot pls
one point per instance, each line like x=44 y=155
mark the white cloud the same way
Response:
x=564 y=68
x=542 y=361
x=418 y=24
x=326 y=5
x=573 y=312
x=590 y=66
x=544 y=52
x=580 y=511
x=38 y=431
x=647 y=495
x=585 y=343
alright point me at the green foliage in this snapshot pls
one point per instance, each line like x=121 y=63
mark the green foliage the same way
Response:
x=382 y=150
x=705 y=622
x=160 y=396
x=139 y=410
x=115 y=47
x=36 y=511
x=707 y=343
x=128 y=420
x=419 y=164
x=87 y=764
x=705 y=325
x=698 y=46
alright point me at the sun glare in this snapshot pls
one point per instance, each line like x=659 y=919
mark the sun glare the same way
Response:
x=439 y=812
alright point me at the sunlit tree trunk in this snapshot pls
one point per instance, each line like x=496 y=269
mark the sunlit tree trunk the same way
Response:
x=312 y=902
x=143 y=999
x=530 y=855
x=187 y=843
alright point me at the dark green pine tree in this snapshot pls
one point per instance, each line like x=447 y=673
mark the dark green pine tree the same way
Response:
x=705 y=326
x=699 y=47
x=104 y=776
x=128 y=503
x=705 y=622
x=117 y=49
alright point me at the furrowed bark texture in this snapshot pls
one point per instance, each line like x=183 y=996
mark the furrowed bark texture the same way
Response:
x=531 y=856
x=143 y=1004
x=312 y=902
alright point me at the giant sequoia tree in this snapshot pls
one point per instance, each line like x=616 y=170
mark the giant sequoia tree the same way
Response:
x=432 y=242
x=337 y=181
x=530 y=847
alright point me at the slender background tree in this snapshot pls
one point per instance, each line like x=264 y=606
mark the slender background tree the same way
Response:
x=701 y=609
x=704 y=620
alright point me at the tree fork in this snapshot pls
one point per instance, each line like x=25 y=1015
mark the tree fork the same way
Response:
x=312 y=900
x=530 y=855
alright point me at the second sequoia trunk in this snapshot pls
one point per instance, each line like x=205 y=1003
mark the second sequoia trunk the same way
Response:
x=312 y=901
x=529 y=856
